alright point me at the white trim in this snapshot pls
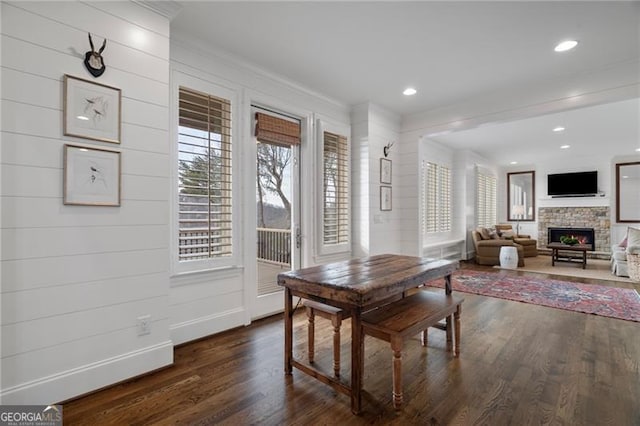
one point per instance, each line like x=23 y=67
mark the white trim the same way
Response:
x=205 y=326
x=87 y=378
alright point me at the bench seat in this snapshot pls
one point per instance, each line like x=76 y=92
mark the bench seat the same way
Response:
x=408 y=316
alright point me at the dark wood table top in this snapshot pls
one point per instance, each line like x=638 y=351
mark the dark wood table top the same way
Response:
x=361 y=282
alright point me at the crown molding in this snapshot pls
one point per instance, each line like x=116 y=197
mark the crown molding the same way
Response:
x=167 y=8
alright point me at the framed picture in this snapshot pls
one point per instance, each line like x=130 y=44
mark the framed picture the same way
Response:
x=91 y=176
x=385 y=170
x=385 y=198
x=91 y=110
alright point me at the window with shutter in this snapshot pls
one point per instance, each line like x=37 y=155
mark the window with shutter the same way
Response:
x=335 y=160
x=486 y=199
x=204 y=176
x=437 y=198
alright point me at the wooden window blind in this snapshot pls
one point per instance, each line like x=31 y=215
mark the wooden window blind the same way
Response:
x=486 y=200
x=204 y=176
x=336 y=189
x=437 y=198
x=277 y=131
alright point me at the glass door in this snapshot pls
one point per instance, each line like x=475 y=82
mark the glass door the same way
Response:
x=277 y=214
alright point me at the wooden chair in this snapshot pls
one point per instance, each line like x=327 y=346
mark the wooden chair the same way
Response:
x=333 y=314
x=407 y=317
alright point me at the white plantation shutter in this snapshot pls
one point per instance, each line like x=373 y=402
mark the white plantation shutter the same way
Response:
x=335 y=160
x=444 y=197
x=437 y=198
x=486 y=199
x=204 y=176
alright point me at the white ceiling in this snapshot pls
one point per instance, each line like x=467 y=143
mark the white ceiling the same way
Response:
x=488 y=61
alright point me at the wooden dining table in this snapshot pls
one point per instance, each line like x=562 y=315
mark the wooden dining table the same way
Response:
x=356 y=285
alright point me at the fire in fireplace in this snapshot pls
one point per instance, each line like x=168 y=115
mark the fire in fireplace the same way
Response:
x=583 y=235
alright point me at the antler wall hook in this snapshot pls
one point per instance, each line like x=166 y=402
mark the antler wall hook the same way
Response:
x=387 y=148
x=93 y=60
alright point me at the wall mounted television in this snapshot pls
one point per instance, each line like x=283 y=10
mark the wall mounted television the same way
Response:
x=579 y=184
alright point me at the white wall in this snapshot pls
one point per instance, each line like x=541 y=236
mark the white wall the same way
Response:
x=205 y=303
x=75 y=278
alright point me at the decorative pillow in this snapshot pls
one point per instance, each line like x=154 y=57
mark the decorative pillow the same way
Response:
x=623 y=243
x=494 y=235
x=633 y=239
x=484 y=233
x=508 y=235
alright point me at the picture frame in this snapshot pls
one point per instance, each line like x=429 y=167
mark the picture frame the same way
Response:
x=91 y=176
x=385 y=171
x=385 y=198
x=91 y=110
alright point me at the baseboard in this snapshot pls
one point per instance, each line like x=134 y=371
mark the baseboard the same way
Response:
x=206 y=326
x=90 y=377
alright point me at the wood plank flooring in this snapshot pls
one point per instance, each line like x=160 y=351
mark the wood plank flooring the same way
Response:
x=520 y=364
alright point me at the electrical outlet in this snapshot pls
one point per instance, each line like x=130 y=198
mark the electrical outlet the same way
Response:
x=144 y=325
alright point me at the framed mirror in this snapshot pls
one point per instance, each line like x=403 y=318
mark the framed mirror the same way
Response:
x=521 y=196
x=627 y=193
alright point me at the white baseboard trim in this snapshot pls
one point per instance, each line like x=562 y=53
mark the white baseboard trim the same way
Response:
x=208 y=325
x=90 y=377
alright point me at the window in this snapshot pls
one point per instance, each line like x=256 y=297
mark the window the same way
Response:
x=436 y=191
x=204 y=177
x=486 y=199
x=335 y=223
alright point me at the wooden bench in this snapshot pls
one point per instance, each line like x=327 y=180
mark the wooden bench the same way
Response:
x=407 y=317
x=335 y=315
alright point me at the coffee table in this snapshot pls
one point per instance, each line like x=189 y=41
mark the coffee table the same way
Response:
x=555 y=257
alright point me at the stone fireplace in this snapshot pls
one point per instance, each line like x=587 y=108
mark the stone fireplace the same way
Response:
x=597 y=218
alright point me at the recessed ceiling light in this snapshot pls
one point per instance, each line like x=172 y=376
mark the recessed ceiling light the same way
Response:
x=566 y=45
x=638 y=149
x=514 y=162
x=82 y=117
x=409 y=91
x=565 y=146
x=558 y=129
x=625 y=177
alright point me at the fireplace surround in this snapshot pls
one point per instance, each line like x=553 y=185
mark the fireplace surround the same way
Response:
x=596 y=217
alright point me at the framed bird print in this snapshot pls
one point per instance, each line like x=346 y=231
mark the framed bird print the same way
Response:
x=91 y=176
x=91 y=110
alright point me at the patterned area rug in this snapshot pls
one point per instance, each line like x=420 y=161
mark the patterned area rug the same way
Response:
x=611 y=302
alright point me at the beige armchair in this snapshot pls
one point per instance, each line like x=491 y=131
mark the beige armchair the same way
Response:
x=529 y=245
x=488 y=250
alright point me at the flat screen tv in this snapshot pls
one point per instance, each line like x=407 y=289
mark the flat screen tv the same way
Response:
x=580 y=184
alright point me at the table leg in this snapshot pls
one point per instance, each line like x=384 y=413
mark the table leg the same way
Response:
x=357 y=361
x=447 y=284
x=554 y=254
x=288 y=331
x=584 y=259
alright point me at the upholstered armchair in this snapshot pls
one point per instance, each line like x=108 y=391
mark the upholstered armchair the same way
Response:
x=529 y=245
x=488 y=249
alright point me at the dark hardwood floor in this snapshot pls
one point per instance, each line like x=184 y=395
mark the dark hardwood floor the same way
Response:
x=520 y=364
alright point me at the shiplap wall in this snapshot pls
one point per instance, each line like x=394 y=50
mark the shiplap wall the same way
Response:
x=361 y=202
x=375 y=231
x=75 y=278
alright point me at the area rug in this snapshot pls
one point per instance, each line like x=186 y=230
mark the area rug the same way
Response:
x=621 y=303
x=596 y=268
